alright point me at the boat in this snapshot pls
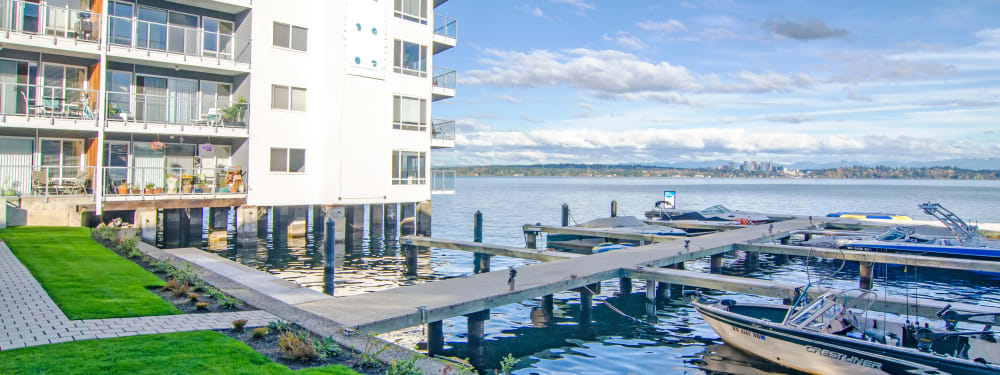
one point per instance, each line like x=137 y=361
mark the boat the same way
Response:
x=869 y=216
x=836 y=334
x=965 y=241
x=620 y=224
x=716 y=213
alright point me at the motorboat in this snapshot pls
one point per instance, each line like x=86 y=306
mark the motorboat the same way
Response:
x=837 y=334
x=715 y=214
x=618 y=224
x=869 y=216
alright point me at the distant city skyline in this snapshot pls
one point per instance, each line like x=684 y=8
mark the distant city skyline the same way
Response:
x=553 y=81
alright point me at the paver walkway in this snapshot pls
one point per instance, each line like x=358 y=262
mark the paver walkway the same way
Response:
x=28 y=317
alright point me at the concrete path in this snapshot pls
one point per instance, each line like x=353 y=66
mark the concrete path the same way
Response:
x=28 y=317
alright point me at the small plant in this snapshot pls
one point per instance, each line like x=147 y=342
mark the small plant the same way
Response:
x=201 y=306
x=295 y=347
x=161 y=266
x=327 y=348
x=193 y=297
x=238 y=324
x=227 y=302
x=200 y=286
x=181 y=290
x=170 y=285
x=507 y=364
x=184 y=273
x=259 y=332
x=279 y=326
x=371 y=350
x=405 y=367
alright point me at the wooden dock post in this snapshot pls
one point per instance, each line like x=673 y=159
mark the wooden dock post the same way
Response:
x=661 y=290
x=548 y=305
x=651 y=290
x=587 y=304
x=865 y=269
x=411 y=260
x=565 y=215
x=329 y=251
x=476 y=331
x=677 y=290
x=614 y=208
x=751 y=261
x=481 y=262
x=716 y=263
x=531 y=240
x=624 y=286
x=435 y=338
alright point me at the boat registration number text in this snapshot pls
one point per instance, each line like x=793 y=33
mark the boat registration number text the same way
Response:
x=748 y=333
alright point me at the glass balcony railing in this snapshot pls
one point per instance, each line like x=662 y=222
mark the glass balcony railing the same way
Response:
x=444 y=78
x=52 y=102
x=443 y=130
x=443 y=181
x=44 y=19
x=445 y=26
x=119 y=182
x=181 y=40
x=178 y=109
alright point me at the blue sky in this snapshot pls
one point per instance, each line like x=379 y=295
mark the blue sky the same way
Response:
x=603 y=81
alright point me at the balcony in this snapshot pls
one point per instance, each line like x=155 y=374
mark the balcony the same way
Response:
x=443 y=133
x=50 y=28
x=443 y=84
x=442 y=182
x=445 y=33
x=439 y=2
x=225 y=6
x=122 y=183
x=179 y=113
x=48 y=107
x=171 y=46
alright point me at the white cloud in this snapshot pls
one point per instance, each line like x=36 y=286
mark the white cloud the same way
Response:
x=669 y=26
x=508 y=99
x=532 y=10
x=626 y=40
x=857 y=66
x=687 y=5
x=581 y=5
x=989 y=37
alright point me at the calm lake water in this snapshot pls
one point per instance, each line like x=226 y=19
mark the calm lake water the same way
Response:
x=667 y=338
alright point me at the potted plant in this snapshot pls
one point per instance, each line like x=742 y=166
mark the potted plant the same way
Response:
x=136 y=189
x=199 y=188
x=157 y=190
x=123 y=188
x=187 y=183
x=234 y=114
x=149 y=189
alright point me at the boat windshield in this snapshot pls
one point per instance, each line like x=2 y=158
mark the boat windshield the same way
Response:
x=891 y=235
x=715 y=210
x=827 y=308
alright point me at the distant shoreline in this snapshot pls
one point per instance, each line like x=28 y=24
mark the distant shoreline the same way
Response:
x=857 y=172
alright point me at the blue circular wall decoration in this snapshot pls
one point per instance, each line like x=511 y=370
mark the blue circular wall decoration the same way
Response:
x=374 y=64
x=374 y=31
x=359 y=27
x=357 y=60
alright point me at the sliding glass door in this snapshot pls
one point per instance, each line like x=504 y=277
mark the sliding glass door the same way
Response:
x=62 y=158
x=169 y=100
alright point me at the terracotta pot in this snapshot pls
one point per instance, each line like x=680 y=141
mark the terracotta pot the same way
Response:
x=157 y=191
x=147 y=191
x=187 y=189
x=135 y=191
x=122 y=189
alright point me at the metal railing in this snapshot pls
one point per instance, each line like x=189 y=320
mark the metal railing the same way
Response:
x=445 y=26
x=46 y=180
x=177 y=110
x=123 y=182
x=52 y=102
x=443 y=130
x=43 y=19
x=442 y=181
x=444 y=78
x=180 y=40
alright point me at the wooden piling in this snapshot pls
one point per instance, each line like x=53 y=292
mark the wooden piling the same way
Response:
x=716 y=263
x=624 y=286
x=677 y=290
x=435 y=338
x=614 y=208
x=411 y=260
x=650 y=290
x=531 y=240
x=865 y=269
x=587 y=304
x=476 y=332
x=547 y=305
x=565 y=215
x=329 y=251
x=481 y=262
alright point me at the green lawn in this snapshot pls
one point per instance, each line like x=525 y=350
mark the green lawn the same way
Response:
x=201 y=352
x=85 y=279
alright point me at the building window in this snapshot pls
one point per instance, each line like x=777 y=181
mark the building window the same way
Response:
x=412 y=10
x=288 y=160
x=409 y=113
x=410 y=58
x=284 y=97
x=408 y=168
x=288 y=36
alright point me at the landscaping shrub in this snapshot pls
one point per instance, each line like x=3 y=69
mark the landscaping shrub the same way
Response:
x=193 y=297
x=259 y=332
x=507 y=364
x=170 y=285
x=279 y=326
x=238 y=324
x=294 y=347
x=227 y=302
x=405 y=367
x=201 y=306
x=327 y=348
x=181 y=289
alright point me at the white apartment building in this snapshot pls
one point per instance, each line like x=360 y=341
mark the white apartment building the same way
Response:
x=109 y=105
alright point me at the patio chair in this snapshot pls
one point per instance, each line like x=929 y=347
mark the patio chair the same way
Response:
x=211 y=118
x=39 y=182
x=32 y=107
x=78 y=184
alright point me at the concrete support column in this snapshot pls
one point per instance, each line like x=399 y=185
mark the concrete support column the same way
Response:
x=661 y=290
x=650 y=290
x=355 y=218
x=752 y=261
x=424 y=218
x=477 y=330
x=246 y=226
x=547 y=305
x=435 y=338
x=376 y=217
x=531 y=240
x=716 y=263
x=411 y=260
x=391 y=214
x=407 y=219
x=865 y=269
x=145 y=220
x=624 y=286
x=677 y=290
